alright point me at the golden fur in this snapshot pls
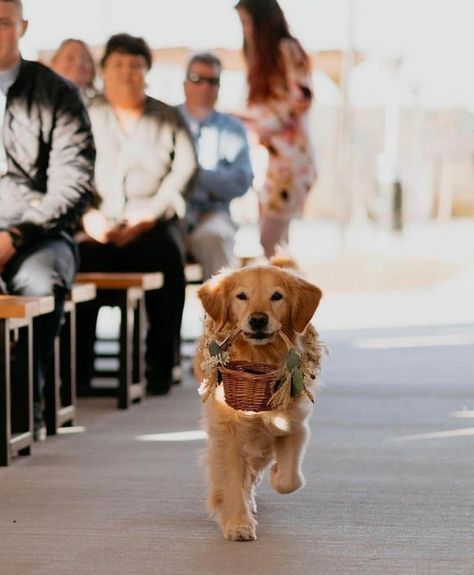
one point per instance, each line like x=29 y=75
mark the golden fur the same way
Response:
x=260 y=300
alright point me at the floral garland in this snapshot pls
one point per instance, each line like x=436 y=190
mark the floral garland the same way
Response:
x=302 y=364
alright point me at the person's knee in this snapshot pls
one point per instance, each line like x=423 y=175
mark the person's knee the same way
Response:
x=49 y=271
x=38 y=282
x=210 y=241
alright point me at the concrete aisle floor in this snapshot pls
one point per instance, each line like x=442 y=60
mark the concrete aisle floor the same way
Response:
x=384 y=496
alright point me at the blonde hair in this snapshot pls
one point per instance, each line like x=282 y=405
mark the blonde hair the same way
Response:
x=83 y=45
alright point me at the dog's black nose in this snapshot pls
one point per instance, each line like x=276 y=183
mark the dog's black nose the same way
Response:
x=258 y=321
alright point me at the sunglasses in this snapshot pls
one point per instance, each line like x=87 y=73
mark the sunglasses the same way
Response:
x=198 y=79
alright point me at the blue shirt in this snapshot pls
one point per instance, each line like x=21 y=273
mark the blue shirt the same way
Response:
x=225 y=171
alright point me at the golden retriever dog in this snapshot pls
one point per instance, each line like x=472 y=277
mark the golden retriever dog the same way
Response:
x=259 y=302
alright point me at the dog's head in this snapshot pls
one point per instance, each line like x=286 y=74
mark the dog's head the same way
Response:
x=260 y=300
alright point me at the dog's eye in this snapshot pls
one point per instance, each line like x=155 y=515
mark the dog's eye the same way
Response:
x=242 y=295
x=276 y=296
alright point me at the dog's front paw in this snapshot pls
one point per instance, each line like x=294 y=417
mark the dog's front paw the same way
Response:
x=285 y=483
x=240 y=533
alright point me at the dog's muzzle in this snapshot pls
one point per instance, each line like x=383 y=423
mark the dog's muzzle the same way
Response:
x=258 y=323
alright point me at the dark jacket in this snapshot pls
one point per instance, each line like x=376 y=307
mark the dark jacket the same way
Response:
x=50 y=155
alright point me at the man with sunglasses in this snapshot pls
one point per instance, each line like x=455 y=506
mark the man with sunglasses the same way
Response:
x=225 y=171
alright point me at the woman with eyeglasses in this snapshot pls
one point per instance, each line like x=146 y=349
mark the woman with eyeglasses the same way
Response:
x=279 y=98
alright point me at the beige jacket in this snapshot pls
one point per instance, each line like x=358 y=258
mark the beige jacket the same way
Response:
x=147 y=171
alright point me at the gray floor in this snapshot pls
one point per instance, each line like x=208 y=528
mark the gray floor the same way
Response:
x=383 y=496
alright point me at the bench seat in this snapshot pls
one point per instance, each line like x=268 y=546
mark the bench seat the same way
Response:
x=127 y=292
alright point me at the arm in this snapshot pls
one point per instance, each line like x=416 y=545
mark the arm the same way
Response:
x=233 y=174
x=174 y=185
x=169 y=196
x=298 y=75
x=7 y=250
x=69 y=173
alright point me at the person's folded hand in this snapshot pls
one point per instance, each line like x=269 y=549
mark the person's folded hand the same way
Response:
x=96 y=225
x=7 y=250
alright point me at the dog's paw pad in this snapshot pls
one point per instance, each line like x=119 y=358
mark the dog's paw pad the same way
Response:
x=241 y=533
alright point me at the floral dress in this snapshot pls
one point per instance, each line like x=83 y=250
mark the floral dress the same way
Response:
x=281 y=125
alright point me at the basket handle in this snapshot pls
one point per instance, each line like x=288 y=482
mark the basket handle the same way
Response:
x=285 y=338
x=226 y=342
x=217 y=348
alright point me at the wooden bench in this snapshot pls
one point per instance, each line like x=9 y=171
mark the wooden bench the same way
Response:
x=127 y=292
x=60 y=388
x=193 y=269
x=16 y=402
x=193 y=273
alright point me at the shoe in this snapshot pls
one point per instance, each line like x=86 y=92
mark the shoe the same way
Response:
x=39 y=433
x=159 y=387
x=39 y=428
x=176 y=375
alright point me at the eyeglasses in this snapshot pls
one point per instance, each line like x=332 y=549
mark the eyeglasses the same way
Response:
x=198 y=79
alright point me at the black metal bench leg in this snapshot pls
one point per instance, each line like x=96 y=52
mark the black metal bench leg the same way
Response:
x=22 y=402
x=68 y=364
x=138 y=347
x=5 y=424
x=125 y=353
x=51 y=395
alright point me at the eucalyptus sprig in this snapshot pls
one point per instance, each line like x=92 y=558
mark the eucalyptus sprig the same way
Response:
x=293 y=365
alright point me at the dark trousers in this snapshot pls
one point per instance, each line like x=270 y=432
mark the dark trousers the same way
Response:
x=159 y=250
x=47 y=268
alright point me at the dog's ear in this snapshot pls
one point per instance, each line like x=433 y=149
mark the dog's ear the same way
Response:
x=282 y=258
x=307 y=297
x=212 y=296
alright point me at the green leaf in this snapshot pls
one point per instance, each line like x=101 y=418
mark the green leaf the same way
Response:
x=297 y=383
x=293 y=360
x=214 y=348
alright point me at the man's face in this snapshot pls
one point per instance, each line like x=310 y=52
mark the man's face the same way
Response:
x=124 y=78
x=12 y=28
x=201 y=86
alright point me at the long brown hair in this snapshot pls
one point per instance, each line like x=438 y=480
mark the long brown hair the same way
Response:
x=265 y=69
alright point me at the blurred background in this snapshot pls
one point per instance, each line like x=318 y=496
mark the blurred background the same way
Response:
x=393 y=209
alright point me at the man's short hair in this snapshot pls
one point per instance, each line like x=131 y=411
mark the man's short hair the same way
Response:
x=18 y=3
x=207 y=58
x=127 y=44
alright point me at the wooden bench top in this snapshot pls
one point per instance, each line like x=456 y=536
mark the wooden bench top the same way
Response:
x=25 y=306
x=193 y=273
x=82 y=292
x=120 y=281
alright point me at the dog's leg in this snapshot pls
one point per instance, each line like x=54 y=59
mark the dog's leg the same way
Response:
x=229 y=484
x=257 y=465
x=286 y=475
x=255 y=479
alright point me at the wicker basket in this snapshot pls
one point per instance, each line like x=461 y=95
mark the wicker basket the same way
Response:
x=249 y=386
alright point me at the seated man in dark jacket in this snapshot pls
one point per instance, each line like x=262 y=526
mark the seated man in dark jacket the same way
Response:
x=46 y=182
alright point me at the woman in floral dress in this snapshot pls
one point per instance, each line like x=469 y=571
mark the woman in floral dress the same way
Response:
x=280 y=95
